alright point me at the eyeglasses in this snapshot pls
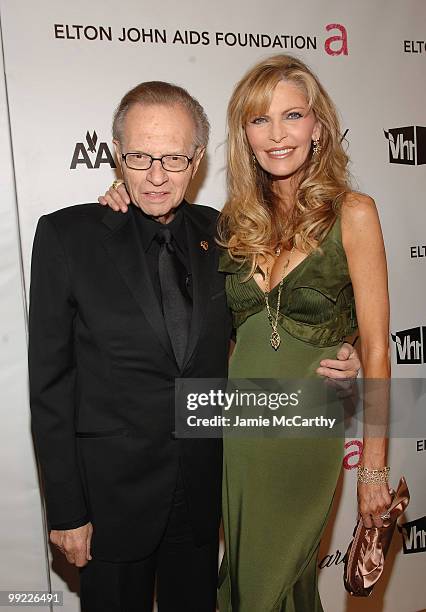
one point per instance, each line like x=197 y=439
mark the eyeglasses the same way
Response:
x=143 y=161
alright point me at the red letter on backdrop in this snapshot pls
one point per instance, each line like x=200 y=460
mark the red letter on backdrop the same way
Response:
x=351 y=460
x=342 y=38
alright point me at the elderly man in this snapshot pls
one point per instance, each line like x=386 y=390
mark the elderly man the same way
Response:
x=121 y=305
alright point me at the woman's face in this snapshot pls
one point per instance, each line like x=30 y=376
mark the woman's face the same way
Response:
x=281 y=139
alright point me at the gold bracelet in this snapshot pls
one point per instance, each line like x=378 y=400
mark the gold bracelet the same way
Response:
x=368 y=476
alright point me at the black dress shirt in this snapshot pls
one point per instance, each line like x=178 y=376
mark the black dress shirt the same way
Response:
x=148 y=228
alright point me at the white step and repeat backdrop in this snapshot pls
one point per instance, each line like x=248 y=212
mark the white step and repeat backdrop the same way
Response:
x=66 y=66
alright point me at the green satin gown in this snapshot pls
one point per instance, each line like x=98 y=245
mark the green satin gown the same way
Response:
x=277 y=492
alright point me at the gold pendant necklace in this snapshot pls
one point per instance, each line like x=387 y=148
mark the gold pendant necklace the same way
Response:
x=275 y=338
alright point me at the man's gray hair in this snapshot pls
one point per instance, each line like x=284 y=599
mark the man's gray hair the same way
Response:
x=153 y=93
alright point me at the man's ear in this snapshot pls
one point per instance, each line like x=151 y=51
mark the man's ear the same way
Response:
x=198 y=156
x=117 y=149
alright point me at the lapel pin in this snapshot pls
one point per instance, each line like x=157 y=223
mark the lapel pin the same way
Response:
x=204 y=245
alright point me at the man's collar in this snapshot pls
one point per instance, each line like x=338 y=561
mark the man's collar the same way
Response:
x=149 y=227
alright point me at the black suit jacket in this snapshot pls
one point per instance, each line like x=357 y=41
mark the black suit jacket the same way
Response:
x=102 y=375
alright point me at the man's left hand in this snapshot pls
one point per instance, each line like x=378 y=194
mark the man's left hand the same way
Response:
x=347 y=365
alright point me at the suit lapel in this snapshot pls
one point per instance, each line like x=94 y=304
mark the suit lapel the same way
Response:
x=201 y=250
x=124 y=247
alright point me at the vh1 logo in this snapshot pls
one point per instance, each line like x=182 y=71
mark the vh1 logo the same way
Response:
x=407 y=145
x=410 y=345
x=414 y=536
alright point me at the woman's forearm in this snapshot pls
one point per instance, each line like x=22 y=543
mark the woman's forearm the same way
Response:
x=376 y=367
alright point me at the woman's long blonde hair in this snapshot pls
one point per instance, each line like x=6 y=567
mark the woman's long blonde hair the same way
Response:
x=253 y=222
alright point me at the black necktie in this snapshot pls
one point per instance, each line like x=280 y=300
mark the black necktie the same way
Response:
x=175 y=300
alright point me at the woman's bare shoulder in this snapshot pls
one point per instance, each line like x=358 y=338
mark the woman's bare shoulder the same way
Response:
x=358 y=208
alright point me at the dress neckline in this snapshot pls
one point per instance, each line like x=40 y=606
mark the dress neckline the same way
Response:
x=284 y=279
x=295 y=269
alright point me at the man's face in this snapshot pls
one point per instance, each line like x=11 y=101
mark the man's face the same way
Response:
x=158 y=130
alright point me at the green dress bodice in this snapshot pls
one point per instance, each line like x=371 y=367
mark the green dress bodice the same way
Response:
x=318 y=305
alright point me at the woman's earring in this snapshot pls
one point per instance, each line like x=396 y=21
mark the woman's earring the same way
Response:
x=253 y=161
x=316 y=148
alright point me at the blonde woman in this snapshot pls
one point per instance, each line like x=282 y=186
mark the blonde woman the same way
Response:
x=302 y=253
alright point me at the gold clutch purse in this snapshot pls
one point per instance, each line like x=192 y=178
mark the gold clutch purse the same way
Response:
x=365 y=557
